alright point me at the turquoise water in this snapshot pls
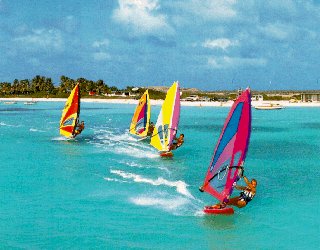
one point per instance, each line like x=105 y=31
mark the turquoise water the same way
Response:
x=106 y=190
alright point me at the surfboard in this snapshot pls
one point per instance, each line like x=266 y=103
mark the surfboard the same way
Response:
x=226 y=210
x=166 y=154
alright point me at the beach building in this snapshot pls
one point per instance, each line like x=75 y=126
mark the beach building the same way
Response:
x=121 y=94
x=192 y=98
x=310 y=97
x=257 y=98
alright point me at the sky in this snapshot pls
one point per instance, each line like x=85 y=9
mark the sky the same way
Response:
x=205 y=44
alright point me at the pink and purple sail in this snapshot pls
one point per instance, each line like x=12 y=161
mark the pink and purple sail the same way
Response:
x=231 y=149
x=175 y=115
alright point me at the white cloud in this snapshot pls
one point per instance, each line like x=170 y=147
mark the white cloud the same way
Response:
x=42 y=39
x=212 y=9
x=220 y=43
x=289 y=6
x=101 y=56
x=99 y=44
x=142 y=16
x=277 y=31
x=230 y=62
x=100 y=48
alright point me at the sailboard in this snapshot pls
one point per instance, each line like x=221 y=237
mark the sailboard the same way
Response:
x=70 y=113
x=230 y=152
x=141 y=118
x=168 y=120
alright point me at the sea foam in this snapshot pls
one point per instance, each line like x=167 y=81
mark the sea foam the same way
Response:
x=122 y=143
x=36 y=130
x=175 y=204
x=167 y=204
x=8 y=125
x=180 y=186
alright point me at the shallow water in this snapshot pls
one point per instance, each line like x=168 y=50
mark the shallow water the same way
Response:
x=106 y=190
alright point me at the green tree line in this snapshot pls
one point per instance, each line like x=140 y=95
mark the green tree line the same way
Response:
x=41 y=86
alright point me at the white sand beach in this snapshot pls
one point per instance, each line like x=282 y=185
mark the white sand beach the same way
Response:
x=159 y=102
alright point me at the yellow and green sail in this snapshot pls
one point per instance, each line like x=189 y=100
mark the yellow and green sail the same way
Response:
x=167 y=124
x=141 y=117
x=70 y=113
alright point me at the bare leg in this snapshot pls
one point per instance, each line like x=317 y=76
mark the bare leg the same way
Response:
x=219 y=205
x=216 y=206
x=236 y=202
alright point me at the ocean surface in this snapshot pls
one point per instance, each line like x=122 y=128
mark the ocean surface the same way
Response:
x=106 y=190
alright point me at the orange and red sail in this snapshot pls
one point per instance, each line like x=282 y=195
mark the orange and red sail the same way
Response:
x=141 y=117
x=70 y=113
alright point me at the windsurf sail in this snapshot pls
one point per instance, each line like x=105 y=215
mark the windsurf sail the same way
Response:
x=141 y=117
x=167 y=124
x=231 y=149
x=70 y=113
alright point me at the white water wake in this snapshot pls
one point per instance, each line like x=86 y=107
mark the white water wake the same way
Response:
x=175 y=204
x=9 y=125
x=114 y=179
x=170 y=204
x=118 y=143
x=132 y=164
x=60 y=138
x=181 y=186
x=36 y=130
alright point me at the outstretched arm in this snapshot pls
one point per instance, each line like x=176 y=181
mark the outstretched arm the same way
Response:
x=246 y=180
x=240 y=187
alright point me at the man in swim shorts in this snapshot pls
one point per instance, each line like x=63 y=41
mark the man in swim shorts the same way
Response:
x=79 y=128
x=246 y=195
x=177 y=142
x=150 y=129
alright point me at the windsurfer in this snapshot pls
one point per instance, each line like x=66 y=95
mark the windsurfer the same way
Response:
x=177 y=142
x=79 y=128
x=246 y=195
x=150 y=129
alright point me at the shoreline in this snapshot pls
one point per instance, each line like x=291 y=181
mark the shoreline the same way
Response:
x=159 y=102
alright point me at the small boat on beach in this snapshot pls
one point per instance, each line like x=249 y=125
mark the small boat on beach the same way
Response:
x=32 y=102
x=29 y=103
x=269 y=106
